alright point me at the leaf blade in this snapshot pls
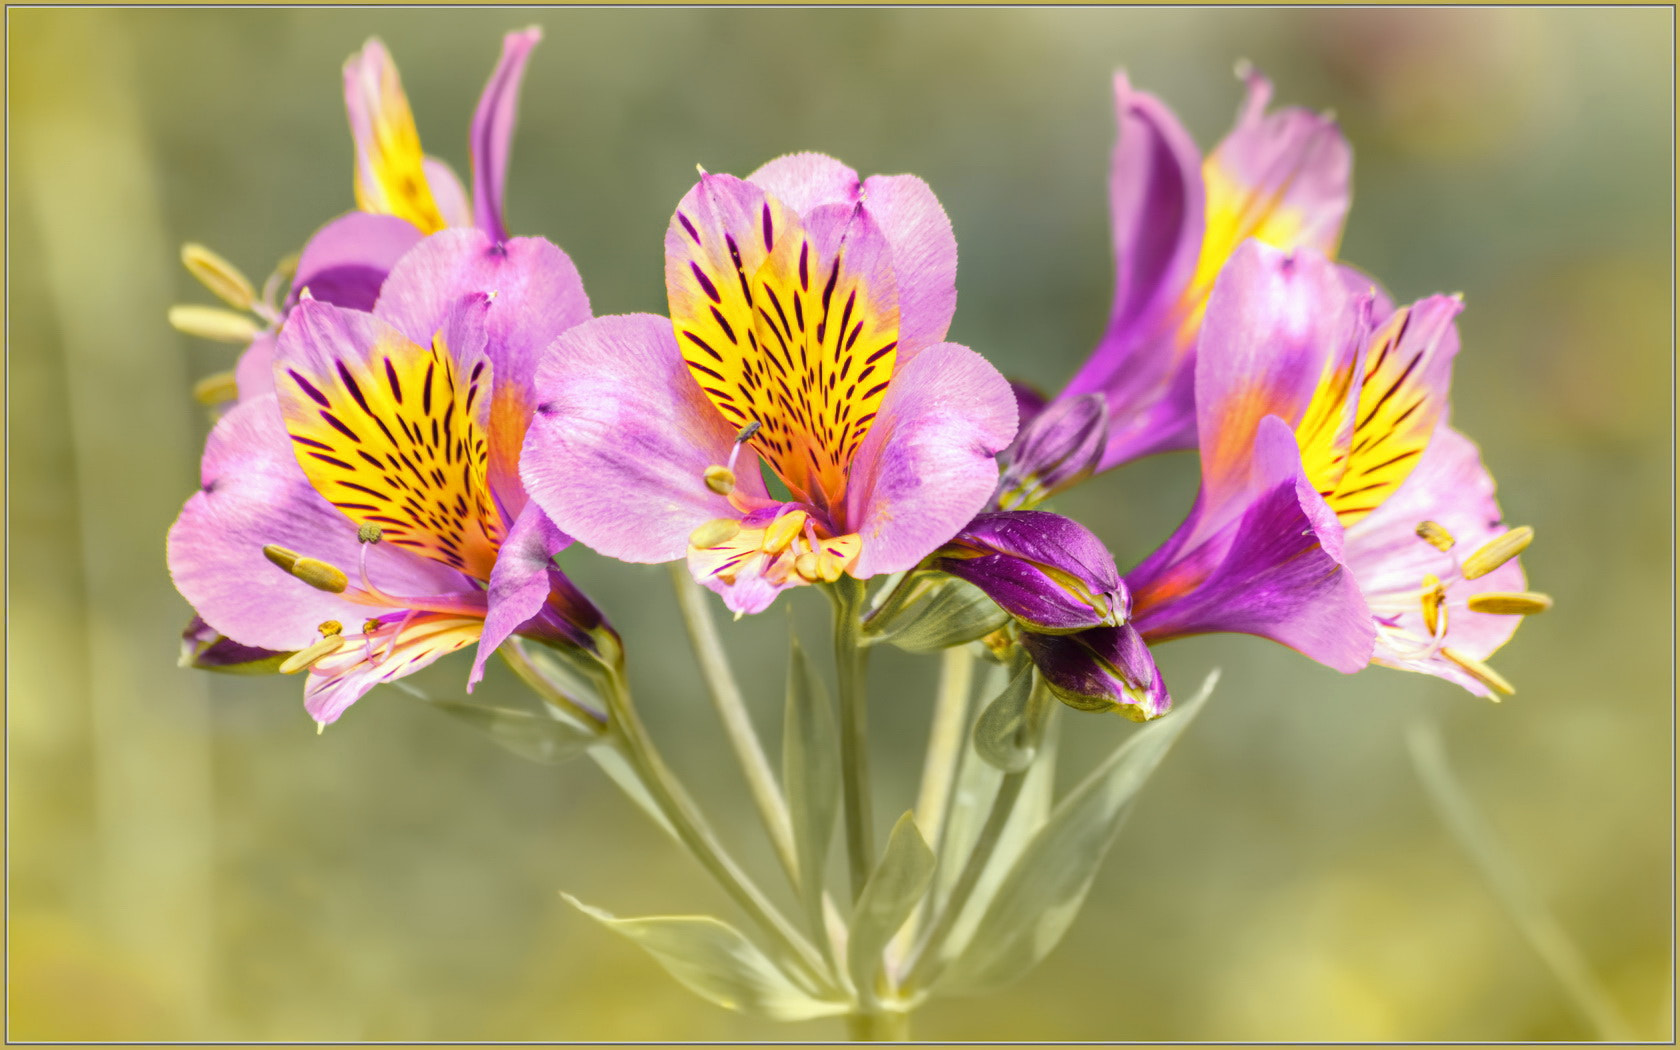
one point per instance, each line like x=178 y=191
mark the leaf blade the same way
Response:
x=898 y=882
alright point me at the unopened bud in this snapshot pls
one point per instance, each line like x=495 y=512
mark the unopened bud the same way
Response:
x=1433 y=534
x=370 y=534
x=304 y=659
x=212 y=322
x=1497 y=551
x=714 y=532
x=1514 y=603
x=720 y=479
x=220 y=276
x=216 y=389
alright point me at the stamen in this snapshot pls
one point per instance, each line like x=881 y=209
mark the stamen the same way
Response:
x=304 y=659
x=329 y=628
x=281 y=556
x=217 y=274
x=809 y=566
x=1434 y=605
x=1511 y=603
x=1480 y=672
x=1435 y=535
x=372 y=625
x=214 y=323
x=215 y=389
x=720 y=480
x=318 y=574
x=714 y=532
x=1497 y=551
x=782 y=531
x=370 y=534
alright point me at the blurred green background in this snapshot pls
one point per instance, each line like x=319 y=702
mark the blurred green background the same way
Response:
x=188 y=860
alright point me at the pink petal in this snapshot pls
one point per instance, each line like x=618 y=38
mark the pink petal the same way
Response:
x=519 y=582
x=492 y=130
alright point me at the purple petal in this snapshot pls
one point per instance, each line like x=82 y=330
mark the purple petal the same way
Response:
x=347 y=260
x=928 y=465
x=1029 y=401
x=537 y=295
x=254 y=374
x=253 y=493
x=447 y=192
x=492 y=131
x=1059 y=448
x=924 y=258
x=346 y=676
x=621 y=438
x=1276 y=571
x=805 y=181
x=519 y=582
x=1451 y=488
x=205 y=648
x=1296 y=161
x=1047 y=571
x=1102 y=669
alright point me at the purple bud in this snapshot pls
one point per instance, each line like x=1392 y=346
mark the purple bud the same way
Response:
x=206 y=649
x=1059 y=447
x=1047 y=571
x=1029 y=402
x=1103 y=669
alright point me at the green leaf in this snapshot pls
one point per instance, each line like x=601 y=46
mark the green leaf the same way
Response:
x=810 y=775
x=1008 y=731
x=1042 y=893
x=714 y=960
x=621 y=772
x=931 y=611
x=894 y=887
x=532 y=735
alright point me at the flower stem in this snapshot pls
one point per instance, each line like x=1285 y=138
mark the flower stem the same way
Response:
x=886 y=1026
x=513 y=653
x=851 y=663
x=929 y=960
x=732 y=710
x=692 y=829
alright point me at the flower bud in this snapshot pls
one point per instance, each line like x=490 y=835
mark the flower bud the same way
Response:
x=1060 y=447
x=1048 y=572
x=206 y=649
x=1103 y=669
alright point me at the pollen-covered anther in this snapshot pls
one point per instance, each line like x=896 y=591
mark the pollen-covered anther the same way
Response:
x=318 y=574
x=1511 y=603
x=214 y=323
x=304 y=659
x=808 y=566
x=1480 y=672
x=369 y=533
x=215 y=389
x=719 y=479
x=371 y=626
x=329 y=628
x=1497 y=551
x=1434 y=605
x=220 y=276
x=783 y=531
x=714 y=532
x=1435 y=535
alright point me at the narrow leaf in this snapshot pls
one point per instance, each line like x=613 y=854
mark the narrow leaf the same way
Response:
x=1042 y=893
x=619 y=770
x=714 y=960
x=928 y=612
x=1007 y=732
x=893 y=889
x=529 y=734
x=810 y=775
x=971 y=797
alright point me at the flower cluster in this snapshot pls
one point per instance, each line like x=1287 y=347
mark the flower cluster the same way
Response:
x=430 y=412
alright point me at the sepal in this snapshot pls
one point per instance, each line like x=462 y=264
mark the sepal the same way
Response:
x=930 y=611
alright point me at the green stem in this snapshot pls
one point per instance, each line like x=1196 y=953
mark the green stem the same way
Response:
x=732 y=710
x=886 y=1026
x=517 y=658
x=929 y=958
x=851 y=663
x=691 y=828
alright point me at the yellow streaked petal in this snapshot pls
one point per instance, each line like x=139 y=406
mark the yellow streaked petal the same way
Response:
x=390 y=166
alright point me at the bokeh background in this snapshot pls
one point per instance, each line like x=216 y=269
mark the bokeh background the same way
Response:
x=188 y=860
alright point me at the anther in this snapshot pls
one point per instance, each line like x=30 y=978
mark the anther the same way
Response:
x=218 y=275
x=1480 y=672
x=1434 y=604
x=318 y=574
x=1497 y=551
x=370 y=626
x=714 y=532
x=215 y=389
x=329 y=628
x=281 y=556
x=1435 y=535
x=808 y=566
x=719 y=479
x=213 y=322
x=748 y=431
x=304 y=659
x=370 y=534
x=1511 y=603
x=782 y=531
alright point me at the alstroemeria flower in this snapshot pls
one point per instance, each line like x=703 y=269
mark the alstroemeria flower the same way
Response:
x=1101 y=669
x=1048 y=572
x=367 y=515
x=1321 y=426
x=1281 y=178
x=808 y=310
